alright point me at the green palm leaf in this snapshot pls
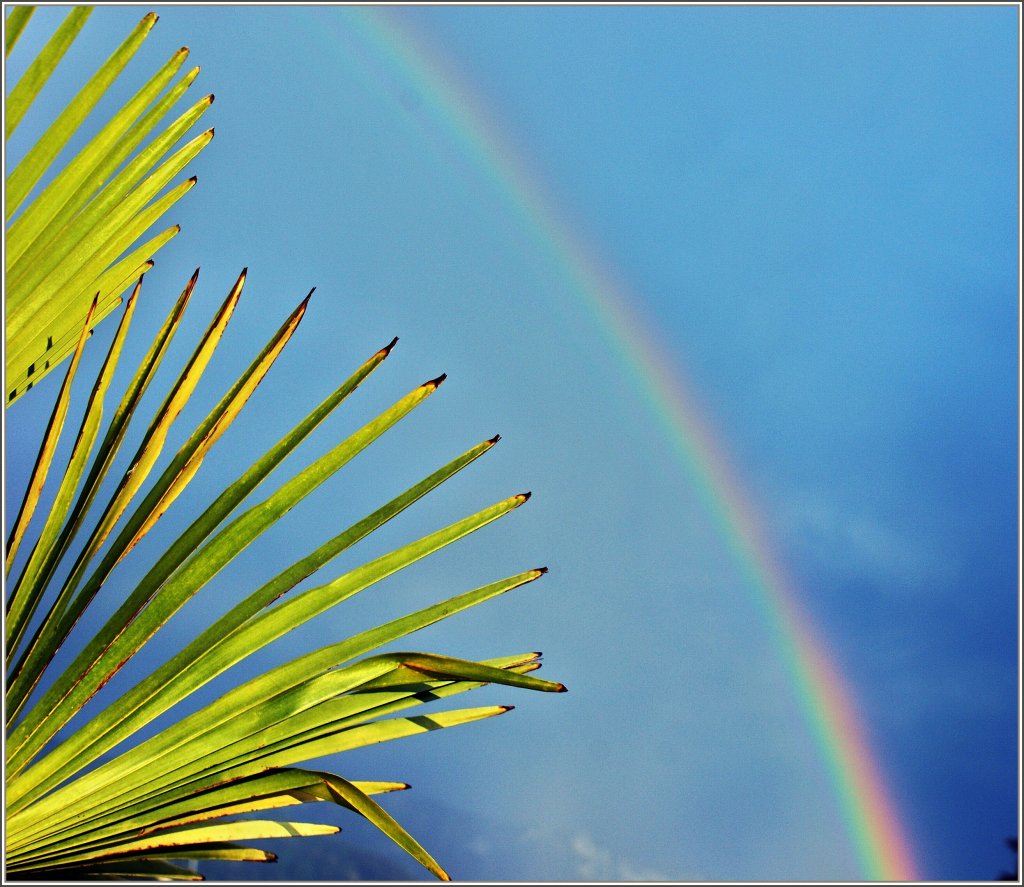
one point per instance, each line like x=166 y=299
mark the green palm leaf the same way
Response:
x=46 y=451
x=16 y=22
x=62 y=246
x=85 y=798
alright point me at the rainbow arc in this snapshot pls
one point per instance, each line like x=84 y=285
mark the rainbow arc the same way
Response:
x=870 y=815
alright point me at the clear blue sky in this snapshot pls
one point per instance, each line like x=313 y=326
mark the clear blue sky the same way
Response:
x=814 y=211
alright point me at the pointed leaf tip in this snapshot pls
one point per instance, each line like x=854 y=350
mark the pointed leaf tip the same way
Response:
x=436 y=382
x=386 y=350
x=542 y=571
x=305 y=301
x=494 y=439
x=524 y=496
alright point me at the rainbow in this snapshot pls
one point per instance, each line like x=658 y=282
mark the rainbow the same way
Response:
x=869 y=813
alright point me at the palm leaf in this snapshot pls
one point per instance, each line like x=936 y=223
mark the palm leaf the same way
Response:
x=217 y=648
x=85 y=799
x=46 y=451
x=61 y=246
x=35 y=77
x=16 y=22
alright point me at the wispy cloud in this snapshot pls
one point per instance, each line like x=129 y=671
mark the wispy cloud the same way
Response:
x=598 y=864
x=861 y=545
x=581 y=858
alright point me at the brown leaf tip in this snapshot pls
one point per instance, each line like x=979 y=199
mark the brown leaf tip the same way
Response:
x=506 y=708
x=434 y=383
x=494 y=439
x=524 y=496
x=305 y=301
x=542 y=571
x=386 y=350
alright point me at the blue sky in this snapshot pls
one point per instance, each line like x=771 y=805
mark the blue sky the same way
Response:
x=814 y=211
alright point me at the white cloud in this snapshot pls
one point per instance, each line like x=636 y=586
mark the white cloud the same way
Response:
x=578 y=857
x=598 y=864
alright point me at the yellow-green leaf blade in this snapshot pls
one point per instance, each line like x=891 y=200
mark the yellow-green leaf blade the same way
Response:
x=52 y=633
x=365 y=806
x=181 y=837
x=16 y=21
x=84 y=175
x=192 y=453
x=141 y=869
x=37 y=73
x=108 y=448
x=210 y=653
x=51 y=305
x=35 y=163
x=32 y=582
x=120 y=791
x=96 y=232
x=188 y=543
x=46 y=453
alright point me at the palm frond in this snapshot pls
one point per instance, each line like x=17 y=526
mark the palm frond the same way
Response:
x=68 y=245
x=85 y=798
